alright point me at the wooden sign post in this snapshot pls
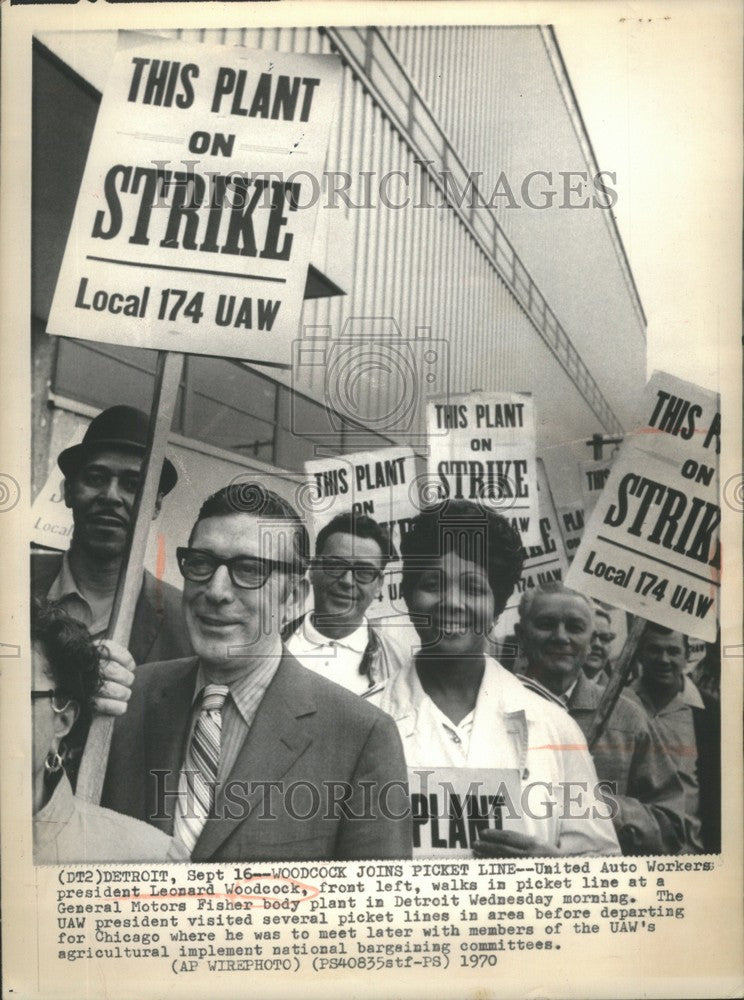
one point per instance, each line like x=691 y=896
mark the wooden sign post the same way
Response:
x=167 y=380
x=617 y=681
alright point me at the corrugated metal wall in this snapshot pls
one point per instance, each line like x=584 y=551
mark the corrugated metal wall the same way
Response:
x=498 y=95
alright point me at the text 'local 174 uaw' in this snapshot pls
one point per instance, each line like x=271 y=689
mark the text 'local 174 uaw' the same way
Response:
x=195 y=217
x=652 y=544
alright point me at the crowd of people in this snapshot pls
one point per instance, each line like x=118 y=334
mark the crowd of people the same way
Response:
x=251 y=729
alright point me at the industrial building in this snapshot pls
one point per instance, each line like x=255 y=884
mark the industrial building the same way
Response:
x=476 y=248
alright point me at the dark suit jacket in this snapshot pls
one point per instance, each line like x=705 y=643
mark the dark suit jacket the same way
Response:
x=335 y=756
x=158 y=630
x=707 y=722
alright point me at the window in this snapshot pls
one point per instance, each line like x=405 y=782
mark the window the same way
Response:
x=220 y=402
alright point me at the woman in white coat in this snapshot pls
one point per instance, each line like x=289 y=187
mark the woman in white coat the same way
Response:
x=456 y=706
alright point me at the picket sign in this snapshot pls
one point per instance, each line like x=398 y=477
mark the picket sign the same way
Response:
x=452 y=806
x=167 y=380
x=230 y=281
x=651 y=545
x=653 y=536
x=617 y=681
x=482 y=449
x=122 y=257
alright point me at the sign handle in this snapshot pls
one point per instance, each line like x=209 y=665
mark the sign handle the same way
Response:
x=617 y=681
x=167 y=380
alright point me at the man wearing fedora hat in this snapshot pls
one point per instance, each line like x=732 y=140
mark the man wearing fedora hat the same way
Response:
x=101 y=479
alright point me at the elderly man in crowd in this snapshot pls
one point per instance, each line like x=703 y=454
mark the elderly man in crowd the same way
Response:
x=101 y=479
x=554 y=630
x=335 y=639
x=239 y=751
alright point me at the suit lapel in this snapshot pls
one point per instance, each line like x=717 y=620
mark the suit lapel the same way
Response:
x=168 y=712
x=279 y=735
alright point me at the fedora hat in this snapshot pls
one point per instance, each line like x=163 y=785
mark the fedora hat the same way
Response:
x=117 y=427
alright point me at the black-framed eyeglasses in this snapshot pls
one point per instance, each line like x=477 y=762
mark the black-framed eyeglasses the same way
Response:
x=59 y=703
x=336 y=568
x=246 y=572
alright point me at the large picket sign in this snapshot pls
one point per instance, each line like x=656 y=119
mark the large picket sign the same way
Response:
x=651 y=546
x=195 y=217
x=192 y=233
x=381 y=484
x=482 y=448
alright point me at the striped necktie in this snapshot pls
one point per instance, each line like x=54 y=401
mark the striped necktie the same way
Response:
x=202 y=763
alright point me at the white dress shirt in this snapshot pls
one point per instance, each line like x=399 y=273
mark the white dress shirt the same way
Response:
x=335 y=659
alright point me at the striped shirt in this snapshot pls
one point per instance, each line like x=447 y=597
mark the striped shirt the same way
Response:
x=239 y=710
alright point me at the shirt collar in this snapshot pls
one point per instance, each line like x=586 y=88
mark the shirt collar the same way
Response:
x=534 y=685
x=406 y=695
x=64 y=583
x=566 y=696
x=690 y=695
x=64 y=590
x=246 y=689
x=356 y=641
x=463 y=727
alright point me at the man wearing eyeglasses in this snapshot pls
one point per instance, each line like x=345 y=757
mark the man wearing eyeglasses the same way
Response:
x=335 y=639
x=101 y=480
x=239 y=751
x=597 y=662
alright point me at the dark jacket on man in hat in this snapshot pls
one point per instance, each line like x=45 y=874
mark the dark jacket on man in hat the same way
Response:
x=158 y=630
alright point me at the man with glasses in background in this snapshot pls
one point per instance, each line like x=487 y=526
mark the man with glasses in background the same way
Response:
x=335 y=639
x=239 y=751
x=597 y=663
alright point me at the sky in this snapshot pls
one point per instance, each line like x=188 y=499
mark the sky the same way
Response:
x=660 y=100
